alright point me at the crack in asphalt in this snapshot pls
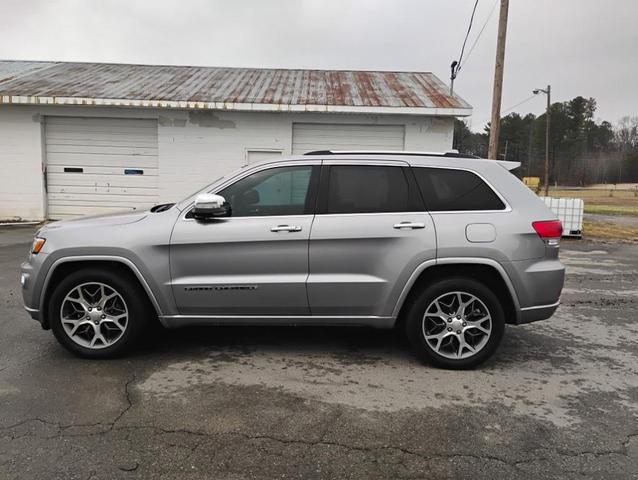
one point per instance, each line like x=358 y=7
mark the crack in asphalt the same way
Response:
x=112 y=426
x=62 y=430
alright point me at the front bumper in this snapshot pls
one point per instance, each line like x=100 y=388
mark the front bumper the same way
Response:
x=34 y=312
x=537 y=312
x=28 y=273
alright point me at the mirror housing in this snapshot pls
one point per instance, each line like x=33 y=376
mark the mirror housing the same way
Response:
x=209 y=205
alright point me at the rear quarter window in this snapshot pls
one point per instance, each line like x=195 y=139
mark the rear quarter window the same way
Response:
x=446 y=189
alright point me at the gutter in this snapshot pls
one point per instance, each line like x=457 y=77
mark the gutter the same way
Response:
x=229 y=106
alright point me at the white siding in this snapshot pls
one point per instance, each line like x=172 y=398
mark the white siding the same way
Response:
x=21 y=179
x=307 y=137
x=194 y=148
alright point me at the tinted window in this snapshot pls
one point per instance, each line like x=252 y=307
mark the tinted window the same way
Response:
x=366 y=189
x=277 y=191
x=444 y=189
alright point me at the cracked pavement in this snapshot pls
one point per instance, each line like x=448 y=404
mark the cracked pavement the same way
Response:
x=558 y=400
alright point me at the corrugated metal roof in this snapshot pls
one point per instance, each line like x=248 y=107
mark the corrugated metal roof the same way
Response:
x=227 y=88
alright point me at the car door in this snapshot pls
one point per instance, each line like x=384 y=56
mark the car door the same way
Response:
x=254 y=262
x=369 y=235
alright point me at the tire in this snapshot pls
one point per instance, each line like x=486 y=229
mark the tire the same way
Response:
x=435 y=313
x=119 y=320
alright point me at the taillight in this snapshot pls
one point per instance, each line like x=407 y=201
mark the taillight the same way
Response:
x=549 y=230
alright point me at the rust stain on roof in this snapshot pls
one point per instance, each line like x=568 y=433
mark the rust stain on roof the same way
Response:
x=139 y=83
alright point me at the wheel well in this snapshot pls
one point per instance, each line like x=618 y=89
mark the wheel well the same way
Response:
x=66 y=268
x=485 y=274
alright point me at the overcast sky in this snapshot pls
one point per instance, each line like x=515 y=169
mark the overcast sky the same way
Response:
x=581 y=47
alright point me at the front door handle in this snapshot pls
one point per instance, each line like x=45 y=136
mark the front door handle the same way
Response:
x=412 y=225
x=286 y=228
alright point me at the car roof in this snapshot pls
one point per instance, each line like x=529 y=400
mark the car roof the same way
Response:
x=451 y=158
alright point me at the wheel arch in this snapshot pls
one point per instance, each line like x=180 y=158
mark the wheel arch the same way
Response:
x=484 y=270
x=63 y=266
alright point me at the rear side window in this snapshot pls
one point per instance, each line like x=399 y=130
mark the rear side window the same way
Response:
x=446 y=189
x=367 y=189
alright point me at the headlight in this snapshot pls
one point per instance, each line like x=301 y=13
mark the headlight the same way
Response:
x=38 y=243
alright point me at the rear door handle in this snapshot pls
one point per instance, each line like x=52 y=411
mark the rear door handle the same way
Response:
x=412 y=225
x=286 y=228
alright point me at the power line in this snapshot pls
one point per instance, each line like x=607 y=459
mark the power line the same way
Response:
x=489 y=16
x=469 y=29
x=456 y=65
x=511 y=108
x=518 y=104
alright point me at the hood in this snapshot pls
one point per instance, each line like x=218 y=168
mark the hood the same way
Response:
x=118 y=218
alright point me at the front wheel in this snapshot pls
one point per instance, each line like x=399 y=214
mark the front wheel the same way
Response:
x=455 y=323
x=97 y=313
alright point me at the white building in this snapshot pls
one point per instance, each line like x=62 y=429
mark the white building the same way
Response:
x=81 y=138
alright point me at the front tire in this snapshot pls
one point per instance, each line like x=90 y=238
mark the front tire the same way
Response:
x=98 y=313
x=456 y=323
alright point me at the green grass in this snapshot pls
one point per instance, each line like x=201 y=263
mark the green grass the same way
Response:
x=611 y=209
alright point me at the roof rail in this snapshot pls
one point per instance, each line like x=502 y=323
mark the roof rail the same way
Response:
x=449 y=153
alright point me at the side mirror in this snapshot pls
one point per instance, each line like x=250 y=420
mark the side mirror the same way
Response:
x=208 y=205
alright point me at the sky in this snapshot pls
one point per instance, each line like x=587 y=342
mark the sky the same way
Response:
x=580 y=47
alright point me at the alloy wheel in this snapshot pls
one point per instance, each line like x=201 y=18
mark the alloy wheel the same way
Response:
x=457 y=325
x=94 y=315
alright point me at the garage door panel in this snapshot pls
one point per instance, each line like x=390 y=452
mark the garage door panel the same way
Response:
x=102 y=181
x=80 y=159
x=102 y=123
x=326 y=136
x=102 y=150
x=109 y=152
x=103 y=141
x=97 y=198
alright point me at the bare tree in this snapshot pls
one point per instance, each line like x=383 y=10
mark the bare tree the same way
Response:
x=626 y=133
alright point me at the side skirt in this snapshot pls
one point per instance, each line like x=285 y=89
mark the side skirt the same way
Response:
x=176 y=321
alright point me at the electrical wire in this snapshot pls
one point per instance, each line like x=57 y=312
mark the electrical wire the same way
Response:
x=469 y=29
x=518 y=104
x=489 y=16
x=511 y=108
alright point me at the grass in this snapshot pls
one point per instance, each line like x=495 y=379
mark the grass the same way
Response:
x=602 y=200
x=610 y=231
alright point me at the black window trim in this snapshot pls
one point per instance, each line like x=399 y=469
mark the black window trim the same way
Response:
x=311 y=196
x=414 y=194
x=507 y=208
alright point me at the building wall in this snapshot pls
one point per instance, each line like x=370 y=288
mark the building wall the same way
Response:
x=195 y=147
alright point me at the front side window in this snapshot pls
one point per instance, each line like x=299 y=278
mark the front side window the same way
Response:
x=367 y=189
x=446 y=189
x=276 y=191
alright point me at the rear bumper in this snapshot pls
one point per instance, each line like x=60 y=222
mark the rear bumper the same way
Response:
x=537 y=312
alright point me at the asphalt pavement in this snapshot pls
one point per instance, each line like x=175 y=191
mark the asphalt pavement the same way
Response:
x=558 y=400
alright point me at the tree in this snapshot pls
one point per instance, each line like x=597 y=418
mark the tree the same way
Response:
x=582 y=150
x=468 y=142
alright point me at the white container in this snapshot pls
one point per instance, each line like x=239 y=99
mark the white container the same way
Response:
x=569 y=212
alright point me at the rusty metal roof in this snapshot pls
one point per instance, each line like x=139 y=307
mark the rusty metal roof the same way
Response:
x=246 y=89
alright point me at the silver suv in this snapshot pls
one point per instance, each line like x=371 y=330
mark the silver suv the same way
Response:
x=448 y=248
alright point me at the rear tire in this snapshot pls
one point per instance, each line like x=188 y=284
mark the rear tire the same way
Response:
x=98 y=313
x=455 y=323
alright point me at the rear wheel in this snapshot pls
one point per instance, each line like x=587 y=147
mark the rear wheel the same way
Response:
x=455 y=323
x=98 y=313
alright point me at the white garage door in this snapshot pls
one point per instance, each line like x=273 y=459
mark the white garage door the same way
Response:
x=333 y=136
x=98 y=165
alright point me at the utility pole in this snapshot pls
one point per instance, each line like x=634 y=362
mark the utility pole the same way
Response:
x=498 y=81
x=548 y=117
x=547 y=92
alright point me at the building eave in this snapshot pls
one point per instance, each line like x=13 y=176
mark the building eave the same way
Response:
x=238 y=107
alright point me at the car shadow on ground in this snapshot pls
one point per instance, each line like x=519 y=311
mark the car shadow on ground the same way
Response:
x=356 y=343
